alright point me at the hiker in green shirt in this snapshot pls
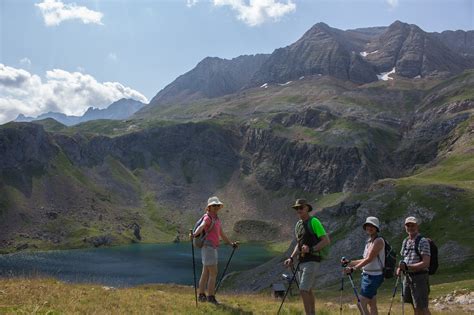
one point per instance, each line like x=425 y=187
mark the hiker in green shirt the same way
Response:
x=311 y=242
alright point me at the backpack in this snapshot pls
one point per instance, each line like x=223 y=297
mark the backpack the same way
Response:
x=323 y=253
x=433 y=267
x=390 y=260
x=200 y=240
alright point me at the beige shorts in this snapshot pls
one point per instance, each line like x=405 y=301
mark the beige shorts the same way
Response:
x=307 y=275
x=209 y=256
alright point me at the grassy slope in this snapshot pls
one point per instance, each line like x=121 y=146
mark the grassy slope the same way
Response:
x=47 y=296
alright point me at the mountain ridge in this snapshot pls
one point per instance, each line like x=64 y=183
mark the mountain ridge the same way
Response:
x=361 y=55
x=121 y=109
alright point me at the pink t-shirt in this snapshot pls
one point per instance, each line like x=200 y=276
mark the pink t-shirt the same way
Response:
x=213 y=235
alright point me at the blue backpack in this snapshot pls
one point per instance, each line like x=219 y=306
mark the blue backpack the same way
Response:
x=200 y=240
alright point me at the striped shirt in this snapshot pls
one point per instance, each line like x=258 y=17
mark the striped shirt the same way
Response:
x=408 y=251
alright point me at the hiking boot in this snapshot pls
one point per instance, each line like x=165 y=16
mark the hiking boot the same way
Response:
x=202 y=297
x=212 y=299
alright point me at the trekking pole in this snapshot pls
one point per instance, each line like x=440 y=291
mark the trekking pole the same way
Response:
x=296 y=279
x=225 y=269
x=394 y=293
x=403 y=296
x=359 y=304
x=342 y=289
x=289 y=286
x=194 y=266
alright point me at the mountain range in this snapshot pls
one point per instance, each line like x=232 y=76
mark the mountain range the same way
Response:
x=121 y=109
x=357 y=55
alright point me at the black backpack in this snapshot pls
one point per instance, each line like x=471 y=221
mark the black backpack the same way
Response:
x=433 y=252
x=390 y=260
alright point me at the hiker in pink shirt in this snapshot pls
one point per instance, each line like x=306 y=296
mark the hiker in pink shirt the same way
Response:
x=211 y=224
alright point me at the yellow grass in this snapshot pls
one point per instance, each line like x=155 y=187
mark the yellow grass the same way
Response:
x=49 y=296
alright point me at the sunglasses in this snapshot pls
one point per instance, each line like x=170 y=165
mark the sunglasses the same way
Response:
x=215 y=206
x=299 y=208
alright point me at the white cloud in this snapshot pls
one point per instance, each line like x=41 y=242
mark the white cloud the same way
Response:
x=26 y=62
x=191 y=3
x=55 y=11
x=392 y=3
x=67 y=92
x=256 y=12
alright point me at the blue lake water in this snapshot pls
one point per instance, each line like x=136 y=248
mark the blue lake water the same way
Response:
x=128 y=265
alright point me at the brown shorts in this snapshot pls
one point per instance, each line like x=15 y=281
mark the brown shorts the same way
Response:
x=416 y=290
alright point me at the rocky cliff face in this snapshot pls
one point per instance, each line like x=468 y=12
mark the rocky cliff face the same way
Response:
x=279 y=163
x=460 y=41
x=26 y=151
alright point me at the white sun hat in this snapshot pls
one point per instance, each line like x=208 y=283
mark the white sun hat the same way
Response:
x=372 y=221
x=214 y=201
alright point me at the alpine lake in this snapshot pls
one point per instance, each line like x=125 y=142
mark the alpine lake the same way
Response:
x=130 y=265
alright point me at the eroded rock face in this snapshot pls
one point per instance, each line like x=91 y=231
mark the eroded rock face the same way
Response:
x=427 y=130
x=199 y=152
x=26 y=150
x=279 y=162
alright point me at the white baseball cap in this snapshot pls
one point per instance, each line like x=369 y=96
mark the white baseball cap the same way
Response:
x=411 y=220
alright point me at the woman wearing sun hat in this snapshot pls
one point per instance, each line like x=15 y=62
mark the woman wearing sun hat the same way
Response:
x=372 y=265
x=211 y=224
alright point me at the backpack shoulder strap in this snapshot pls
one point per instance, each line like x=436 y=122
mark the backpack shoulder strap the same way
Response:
x=404 y=245
x=310 y=225
x=417 y=245
x=213 y=222
x=310 y=228
x=384 y=249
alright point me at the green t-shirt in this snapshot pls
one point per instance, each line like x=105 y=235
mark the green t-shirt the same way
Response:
x=318 y=230
x=317 y=227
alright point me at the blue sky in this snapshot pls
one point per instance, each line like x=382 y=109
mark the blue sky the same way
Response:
x=137 y=47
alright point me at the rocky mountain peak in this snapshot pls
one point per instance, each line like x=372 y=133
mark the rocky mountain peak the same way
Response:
x=411 y=52
x=211 y=77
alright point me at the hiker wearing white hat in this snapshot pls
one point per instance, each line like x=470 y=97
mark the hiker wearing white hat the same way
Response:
x=372 y=265
x=416 y=254
x=211 y=225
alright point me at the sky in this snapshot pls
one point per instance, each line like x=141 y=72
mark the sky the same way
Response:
x=61 y=55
